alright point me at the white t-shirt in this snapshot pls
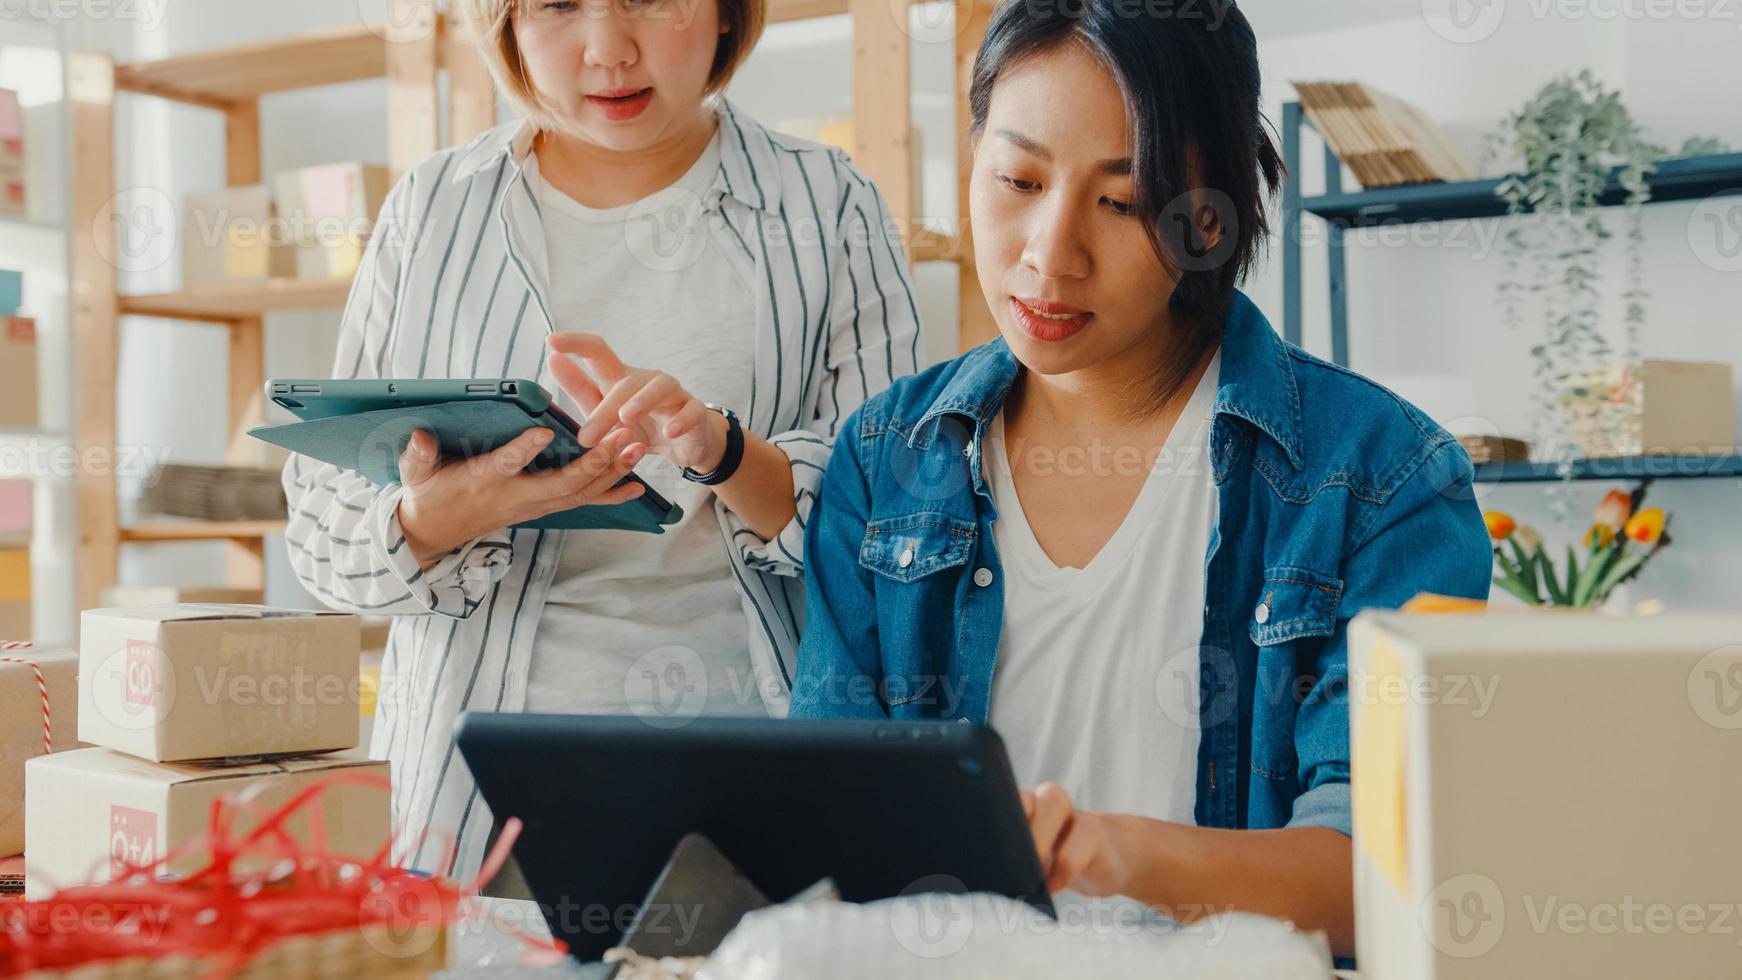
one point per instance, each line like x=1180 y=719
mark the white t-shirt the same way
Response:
x=650 y=624
x=1096 y=684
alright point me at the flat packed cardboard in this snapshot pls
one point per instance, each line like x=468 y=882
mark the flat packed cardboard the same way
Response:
x=21 y=726
x=90 y=809
x=1546 y=794
x=193 y=681
x=18 y=373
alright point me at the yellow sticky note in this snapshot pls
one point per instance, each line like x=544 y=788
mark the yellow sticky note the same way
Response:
x=368 y=689
x=14 y=578
x=1377 y=769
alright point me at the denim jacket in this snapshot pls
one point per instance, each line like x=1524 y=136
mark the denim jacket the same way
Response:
x=1335 y=495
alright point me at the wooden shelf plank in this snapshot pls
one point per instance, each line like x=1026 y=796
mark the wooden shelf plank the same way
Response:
x=1681 y=179
x=248 y=71
x=236 y=301
x=175 y=530
x=1615 y=468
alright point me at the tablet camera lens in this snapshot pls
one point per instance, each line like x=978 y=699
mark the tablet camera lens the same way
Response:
x=969 y=766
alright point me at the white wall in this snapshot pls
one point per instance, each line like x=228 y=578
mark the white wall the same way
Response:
x=1415 y=309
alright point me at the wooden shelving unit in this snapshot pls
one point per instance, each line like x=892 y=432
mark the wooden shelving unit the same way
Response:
x=411 y=55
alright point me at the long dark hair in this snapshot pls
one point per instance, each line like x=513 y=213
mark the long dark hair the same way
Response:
x=1189 y=75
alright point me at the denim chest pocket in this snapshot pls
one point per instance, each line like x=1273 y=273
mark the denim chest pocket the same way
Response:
x=1294 y=603
x=916 y=545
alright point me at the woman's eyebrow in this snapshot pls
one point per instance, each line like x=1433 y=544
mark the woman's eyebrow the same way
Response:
x=1117 y=167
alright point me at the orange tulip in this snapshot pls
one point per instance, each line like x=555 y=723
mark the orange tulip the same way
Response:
x=1646 y=526
x=1613 y=511
x=1600 y=536
x=1500 y=525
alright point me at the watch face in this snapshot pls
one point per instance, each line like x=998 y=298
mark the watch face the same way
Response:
x=723 y=410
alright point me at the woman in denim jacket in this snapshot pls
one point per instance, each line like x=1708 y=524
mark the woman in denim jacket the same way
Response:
x=1131 y=532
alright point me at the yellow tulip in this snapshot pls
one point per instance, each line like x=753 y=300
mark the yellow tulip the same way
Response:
x=1600 y=536
x=1613 y=511
x=1500 y=525
x=1646 y=526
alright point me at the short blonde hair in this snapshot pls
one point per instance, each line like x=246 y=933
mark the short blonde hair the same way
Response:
x=492 y=23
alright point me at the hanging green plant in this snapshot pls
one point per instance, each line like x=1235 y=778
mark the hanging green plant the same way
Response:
x=1568 y=141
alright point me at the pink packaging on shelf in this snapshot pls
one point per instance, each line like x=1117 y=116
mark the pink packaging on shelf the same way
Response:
x=15 y=507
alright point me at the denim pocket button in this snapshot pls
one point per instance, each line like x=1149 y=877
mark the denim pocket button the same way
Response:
x=1262 y=613
x=982 y=577
x=906 y=558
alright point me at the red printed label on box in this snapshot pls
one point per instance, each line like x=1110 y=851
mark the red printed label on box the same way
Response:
x=21 y=329
x=132 y=838
x=141 y=674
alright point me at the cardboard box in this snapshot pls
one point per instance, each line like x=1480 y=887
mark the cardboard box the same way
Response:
x=18 y=374
x=1654 y=408
x=12 y=163
x=17 y=512
x=14 y=594
x=11 y=124
x=173 y=683
x=1546 y=794
x=332 y=201
x=231 y=235
x=164 y=595
x=89 y=809
x=24 y=728
x=335 y=259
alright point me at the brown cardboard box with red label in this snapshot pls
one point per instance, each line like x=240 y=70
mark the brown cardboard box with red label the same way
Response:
x=90 y=810
x=196 y=681
x=39 y=700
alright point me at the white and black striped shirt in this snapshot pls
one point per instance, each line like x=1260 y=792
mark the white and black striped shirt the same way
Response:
x=454 y=284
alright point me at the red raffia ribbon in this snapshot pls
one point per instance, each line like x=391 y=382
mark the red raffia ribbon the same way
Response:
x=226 y=917
x=41 y=688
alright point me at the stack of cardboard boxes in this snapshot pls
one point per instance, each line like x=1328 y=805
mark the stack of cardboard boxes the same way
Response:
x=12 y=197
x=187 y=704
x=310 y=223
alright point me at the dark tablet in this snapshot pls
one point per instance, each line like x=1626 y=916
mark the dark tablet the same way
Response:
x=363 y=424
x=883 y=808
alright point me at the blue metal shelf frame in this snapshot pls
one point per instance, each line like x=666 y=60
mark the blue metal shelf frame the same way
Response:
x=1675 y=180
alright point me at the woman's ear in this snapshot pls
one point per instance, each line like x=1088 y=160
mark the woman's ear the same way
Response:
x=1209 y=226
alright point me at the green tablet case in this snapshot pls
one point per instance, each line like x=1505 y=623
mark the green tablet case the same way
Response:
x=371 y=443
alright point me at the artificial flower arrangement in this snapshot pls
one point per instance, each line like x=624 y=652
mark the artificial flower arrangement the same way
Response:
x=1621 y=539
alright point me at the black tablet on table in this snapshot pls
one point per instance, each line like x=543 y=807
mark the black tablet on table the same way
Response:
x=883 y=808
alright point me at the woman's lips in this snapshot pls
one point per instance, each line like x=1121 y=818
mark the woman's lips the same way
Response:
x=1048 y=321
x=623 y=103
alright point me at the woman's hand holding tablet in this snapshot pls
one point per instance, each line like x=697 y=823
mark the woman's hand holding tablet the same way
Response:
x=448 y=502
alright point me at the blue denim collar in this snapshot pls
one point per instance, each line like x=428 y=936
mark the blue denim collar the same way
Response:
x=1257 y=382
